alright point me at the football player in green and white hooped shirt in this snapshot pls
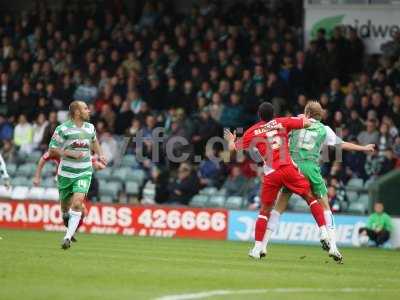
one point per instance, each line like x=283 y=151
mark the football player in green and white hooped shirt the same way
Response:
x=305 y=149
x=73 y=142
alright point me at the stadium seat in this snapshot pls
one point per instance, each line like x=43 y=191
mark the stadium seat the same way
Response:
x=356 y=207
x=36 y=193
x=49 y=182
x=5 y=192
x=199 y=201
x=49 y=169
x=132 y=188
x=20 y=181
x=121 y=174
x=365 y=200
x=34 y=157
x=51 y=194
x=27 y=170
x=110 y=189
x=355 y=184
x=352 y=196
x=103 y=174
x=301 y=206
x=234 y=202
x=137 y=175
x=216 y=201
x=20 y=193
x=368 y=183
x=106 y=199
x=293 y=200
x=129 y=161
x=210 y=191
x=11 y=169
x=221 y=192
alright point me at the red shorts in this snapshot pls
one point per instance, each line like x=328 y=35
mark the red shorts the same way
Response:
x=288 y=176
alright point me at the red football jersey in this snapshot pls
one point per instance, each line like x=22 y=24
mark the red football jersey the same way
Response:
x=271 y=140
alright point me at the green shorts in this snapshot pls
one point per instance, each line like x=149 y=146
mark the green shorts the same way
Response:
x=69 y=186
x=312 y=172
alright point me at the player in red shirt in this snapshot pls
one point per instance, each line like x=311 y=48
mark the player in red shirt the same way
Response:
x=270 y=138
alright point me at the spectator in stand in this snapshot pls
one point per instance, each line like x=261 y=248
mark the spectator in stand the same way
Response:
x=379 y=227
x=184 y=187
x=333 y=200
x=370 y=135
x=210 y=169
x=23 y=135
x=236 y=184
x=38 y=128
x=49 y=130
x=8 y=152
x=6 y=128
x=109 y=146
x=205 y=128
x=155 y=190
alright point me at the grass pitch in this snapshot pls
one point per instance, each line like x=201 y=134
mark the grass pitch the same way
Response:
x=32 y=266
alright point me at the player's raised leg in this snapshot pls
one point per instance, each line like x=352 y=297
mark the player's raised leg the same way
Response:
x=295 y=181
x=330 y=223
x=271 y=186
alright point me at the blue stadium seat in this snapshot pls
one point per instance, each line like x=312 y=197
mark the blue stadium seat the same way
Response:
x=199 y=201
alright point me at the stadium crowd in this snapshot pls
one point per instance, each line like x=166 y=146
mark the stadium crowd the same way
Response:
x=194 y=75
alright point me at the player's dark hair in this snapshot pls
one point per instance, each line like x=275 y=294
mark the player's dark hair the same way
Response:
x=266 y=111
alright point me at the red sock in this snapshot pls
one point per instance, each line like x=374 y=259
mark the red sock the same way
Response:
x=261 y=227
x=318 y=212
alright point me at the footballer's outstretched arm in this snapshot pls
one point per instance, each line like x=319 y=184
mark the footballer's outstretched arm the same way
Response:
x=370 y=148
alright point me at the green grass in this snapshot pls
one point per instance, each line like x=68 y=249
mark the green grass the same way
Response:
x=32 y=266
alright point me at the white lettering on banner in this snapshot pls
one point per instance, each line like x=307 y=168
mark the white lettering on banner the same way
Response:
x=124 y=216
x=35 y=213
x=298 y=231
x=20 y=213
x=109 y=216
x=104 y=230
x=188 y=220
x=374 y=25
x=93 y=216
x=5 y=212
x=249 y=228
x=55 y=214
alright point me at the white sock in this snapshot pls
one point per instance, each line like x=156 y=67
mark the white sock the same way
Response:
x=258 y=245
x=330 y=223
x=74 y=218
x=323 y=232
x=266 y=239
x=273 y=223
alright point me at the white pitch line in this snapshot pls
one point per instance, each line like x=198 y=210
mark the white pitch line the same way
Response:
x=203 y=295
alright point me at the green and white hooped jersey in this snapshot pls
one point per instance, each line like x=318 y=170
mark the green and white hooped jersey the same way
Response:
x=68 y=136
x=306 y=144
